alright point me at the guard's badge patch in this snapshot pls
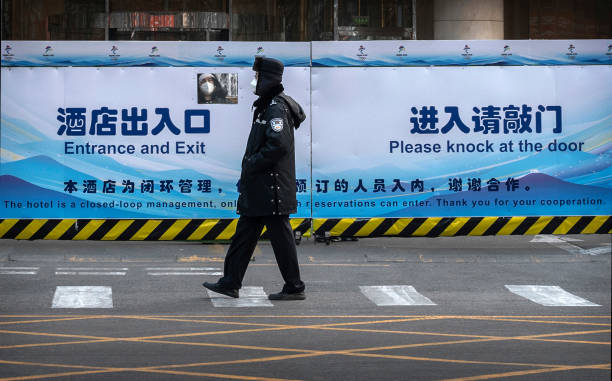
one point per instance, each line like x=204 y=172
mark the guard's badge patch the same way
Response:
x=277 y=124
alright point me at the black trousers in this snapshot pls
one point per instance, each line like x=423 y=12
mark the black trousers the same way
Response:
x=243 y=244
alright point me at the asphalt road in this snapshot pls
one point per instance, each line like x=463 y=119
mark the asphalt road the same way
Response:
x=469 y=308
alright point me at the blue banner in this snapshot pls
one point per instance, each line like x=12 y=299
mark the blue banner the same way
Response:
x=474 y=141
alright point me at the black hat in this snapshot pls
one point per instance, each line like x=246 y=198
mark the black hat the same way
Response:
x=269 y=67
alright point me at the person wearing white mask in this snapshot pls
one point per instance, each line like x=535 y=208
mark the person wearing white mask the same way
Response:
x=210 y=89
x=267 y=186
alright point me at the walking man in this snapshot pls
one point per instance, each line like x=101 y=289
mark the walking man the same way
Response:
x=267 y=186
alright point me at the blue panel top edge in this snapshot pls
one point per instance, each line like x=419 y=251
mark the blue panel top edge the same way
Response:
x=387 y=53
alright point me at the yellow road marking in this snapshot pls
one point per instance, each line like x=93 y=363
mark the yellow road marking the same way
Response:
x=48 y=320
x=371 y=322
x=482 y=317
x=216 y=375
x=527 y=338
x=50 y=375
x=394 y=320
x=303 y=353
x=232 y=346
x=58 y=335
x=53 y=344
x=51 y=365
x=527 y=372
x=539 y=337
x=542 y=321
x=442 y=360
x=243 y=361
x=204 y=321
x=137 y=339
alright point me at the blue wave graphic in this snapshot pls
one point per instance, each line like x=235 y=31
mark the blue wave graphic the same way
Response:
x=458 y=60
x=147 y=61
x=333 y=61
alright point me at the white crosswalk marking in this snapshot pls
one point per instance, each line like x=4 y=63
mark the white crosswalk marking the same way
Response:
x=187 y=273
x=121 y=271
x=395 y=296
x=83 y=297
x=160 y=271
x=551 y=296
x=18 y=270
x=182 y=268
x=249 y=297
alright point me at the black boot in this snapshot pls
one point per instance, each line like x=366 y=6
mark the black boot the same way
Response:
x=221 y=289
x=288 y=296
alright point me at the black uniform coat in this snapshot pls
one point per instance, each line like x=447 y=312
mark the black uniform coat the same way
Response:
x=267 y=182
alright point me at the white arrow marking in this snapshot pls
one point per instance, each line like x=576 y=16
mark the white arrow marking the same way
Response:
x=563 y=244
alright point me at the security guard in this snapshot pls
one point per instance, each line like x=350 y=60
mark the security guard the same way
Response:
x=267 y=186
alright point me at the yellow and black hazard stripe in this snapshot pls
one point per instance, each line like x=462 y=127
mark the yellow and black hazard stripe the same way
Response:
x=224 y=229
x=460 y=226
x=129 y=230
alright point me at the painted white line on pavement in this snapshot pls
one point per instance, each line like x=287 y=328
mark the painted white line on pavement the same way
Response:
x=550 y=238
x=182 y=268
x=550 y=296
x=83 y=297
x=563 y=244
x=187 y=273
x=573 y=249
x=113 y=273
x=600 y=250
x=249 y=297
x=395 y=296
x=92 y=268
x=17 y=272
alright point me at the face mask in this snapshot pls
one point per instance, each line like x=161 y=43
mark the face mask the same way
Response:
x=254 y=85
x=207 y=88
